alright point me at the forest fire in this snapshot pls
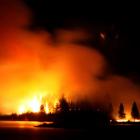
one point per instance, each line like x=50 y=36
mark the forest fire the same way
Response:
x=127 y=120
x=128 y=117
x=34 y=105
x=35 y=61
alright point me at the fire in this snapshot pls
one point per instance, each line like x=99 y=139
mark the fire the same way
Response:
x=21 y=110
x=127 y=118
x=47 y=110
x=122 y=120
x=34 y=105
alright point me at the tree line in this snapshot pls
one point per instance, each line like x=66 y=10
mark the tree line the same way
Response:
x=134 y=111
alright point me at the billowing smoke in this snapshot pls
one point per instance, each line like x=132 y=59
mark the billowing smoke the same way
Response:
x=33 y=64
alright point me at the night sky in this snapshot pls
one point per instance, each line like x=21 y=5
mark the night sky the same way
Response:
x=119 y=23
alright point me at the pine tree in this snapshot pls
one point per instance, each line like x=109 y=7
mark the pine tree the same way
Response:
x=134 y=111
x=64 y=106
x=42 y=109
x=121 y=111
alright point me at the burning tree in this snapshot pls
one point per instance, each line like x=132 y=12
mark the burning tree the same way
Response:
x=121 y=111
x=42 y=109
x=134 y=111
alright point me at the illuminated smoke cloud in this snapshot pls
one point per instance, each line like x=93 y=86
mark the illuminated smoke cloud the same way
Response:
x=32 y=64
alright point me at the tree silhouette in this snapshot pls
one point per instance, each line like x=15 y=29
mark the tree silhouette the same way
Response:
x=42 y=109
x=63 y=105
x=121 y=111
x=134 y=111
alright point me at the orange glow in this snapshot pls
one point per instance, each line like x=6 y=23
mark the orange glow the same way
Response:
x=37 y=69
x=21 y=110
x=34 y=106
x=47 y=110
x=127 y=118
x=136 y=120
x=122 y=120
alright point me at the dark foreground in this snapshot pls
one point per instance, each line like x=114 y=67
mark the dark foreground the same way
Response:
x=29 y=132
x=64 y=134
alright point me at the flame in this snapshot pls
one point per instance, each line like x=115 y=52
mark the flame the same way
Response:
x=34 y=105
x=127 y=118
x=21 y=110
x=47 y=110
x=122 y=120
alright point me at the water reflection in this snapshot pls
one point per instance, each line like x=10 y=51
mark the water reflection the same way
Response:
x=20 y=124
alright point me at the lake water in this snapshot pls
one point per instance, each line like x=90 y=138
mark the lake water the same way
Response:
x=25 y=130
x=20 y=124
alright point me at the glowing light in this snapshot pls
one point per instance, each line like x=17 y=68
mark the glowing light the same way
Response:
x=122 y=120
x=35 y=105
x=21 y=110
x=102 y=35
x=127 y=118
x=136 y=120
x=47 y=109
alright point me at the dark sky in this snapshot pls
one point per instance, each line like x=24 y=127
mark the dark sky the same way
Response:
x=120 y=23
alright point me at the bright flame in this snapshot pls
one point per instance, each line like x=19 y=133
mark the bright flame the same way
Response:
x=35 y=104
x=21 y=110
x=127 y=118
x=122 y=120
x=136 y=120
x=47 y=110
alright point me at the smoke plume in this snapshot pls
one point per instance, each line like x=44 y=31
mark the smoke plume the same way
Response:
x=33 y=64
